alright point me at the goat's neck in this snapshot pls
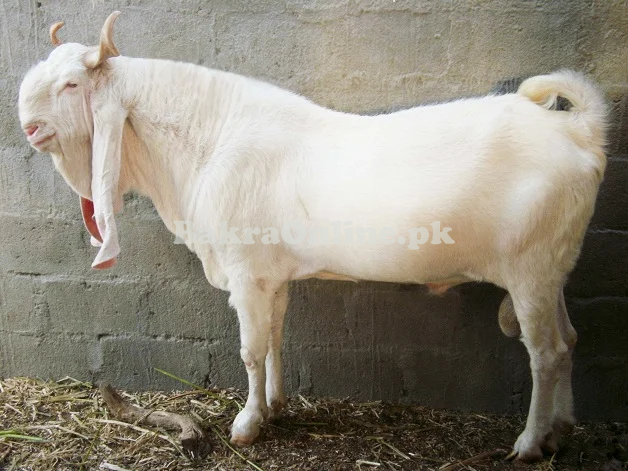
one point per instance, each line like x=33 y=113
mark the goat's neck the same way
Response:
x=177 y=118
x=142 y=172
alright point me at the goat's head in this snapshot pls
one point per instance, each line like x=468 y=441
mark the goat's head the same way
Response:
x=66 y=108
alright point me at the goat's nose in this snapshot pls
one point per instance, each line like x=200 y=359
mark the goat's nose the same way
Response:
x=31 y=130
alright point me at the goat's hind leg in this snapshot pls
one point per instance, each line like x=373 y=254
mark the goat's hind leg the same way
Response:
x=536 y=308
x=564 y=419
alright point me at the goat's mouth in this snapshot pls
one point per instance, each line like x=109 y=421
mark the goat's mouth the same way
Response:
x=40 y=143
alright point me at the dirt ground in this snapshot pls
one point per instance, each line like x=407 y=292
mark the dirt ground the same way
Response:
x=65 y=426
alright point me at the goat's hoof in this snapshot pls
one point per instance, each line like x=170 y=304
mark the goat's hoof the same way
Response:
x=245 y=428
x=242 y=440
x=550 y=444
x=526 y=449
x=563 y=427
x=560 y=428
x=531 y=455
x=275 y=408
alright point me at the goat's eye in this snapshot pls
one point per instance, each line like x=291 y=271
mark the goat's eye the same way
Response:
x=71 y=85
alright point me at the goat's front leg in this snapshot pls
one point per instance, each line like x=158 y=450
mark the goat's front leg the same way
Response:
x=254 y=303
x=275 y=395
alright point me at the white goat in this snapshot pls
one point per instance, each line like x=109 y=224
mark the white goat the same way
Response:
x=513 y=181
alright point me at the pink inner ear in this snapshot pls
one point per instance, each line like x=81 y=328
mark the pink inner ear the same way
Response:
x=105 y=265
x=87 y=209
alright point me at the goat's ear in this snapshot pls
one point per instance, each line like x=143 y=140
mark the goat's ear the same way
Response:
x=106 y=49
x=106 y=155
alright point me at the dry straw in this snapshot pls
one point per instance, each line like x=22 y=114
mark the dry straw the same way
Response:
x=65 y=425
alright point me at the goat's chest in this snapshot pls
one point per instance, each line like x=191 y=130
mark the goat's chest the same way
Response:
x=217 y=277
x=214 y=271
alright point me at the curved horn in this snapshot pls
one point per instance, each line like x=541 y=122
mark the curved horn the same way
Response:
x=53 y=33
x=107 y=48
x=106 y=35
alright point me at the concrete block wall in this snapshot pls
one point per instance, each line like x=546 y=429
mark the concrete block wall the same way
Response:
x=367 y=341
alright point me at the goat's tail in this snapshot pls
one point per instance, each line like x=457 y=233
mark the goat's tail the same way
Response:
x=588 y=113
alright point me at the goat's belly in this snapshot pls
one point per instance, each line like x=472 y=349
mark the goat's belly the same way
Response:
x=443 y=265
x=438 y=287
x=324 y=275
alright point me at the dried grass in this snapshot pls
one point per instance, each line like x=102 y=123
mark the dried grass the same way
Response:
x=64 y=425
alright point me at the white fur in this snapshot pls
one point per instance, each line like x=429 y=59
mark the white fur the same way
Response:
x=514 y=180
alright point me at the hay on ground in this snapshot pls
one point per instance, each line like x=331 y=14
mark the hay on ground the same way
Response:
x=65 y=425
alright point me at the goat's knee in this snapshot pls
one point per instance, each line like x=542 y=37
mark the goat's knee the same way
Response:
x=251 y=360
